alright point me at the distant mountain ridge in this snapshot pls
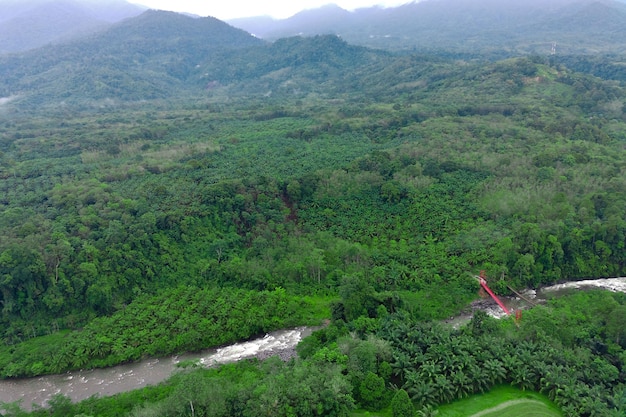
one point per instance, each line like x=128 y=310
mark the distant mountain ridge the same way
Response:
x=529 y=26
x=149 y=56
x=163 y=55
x=28 y=24
x=501 y=27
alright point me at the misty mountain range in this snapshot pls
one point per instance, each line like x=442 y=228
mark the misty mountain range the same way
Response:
x=149 y=56
x=27 y=24
x=474 y=26
x=115 y=50
x=529 y=26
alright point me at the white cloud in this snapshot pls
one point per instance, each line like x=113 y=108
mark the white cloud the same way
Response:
x=5 y=100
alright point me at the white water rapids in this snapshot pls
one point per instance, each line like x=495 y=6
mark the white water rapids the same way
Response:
x=84 y=384
x=611 y=284
x=80 y=385
x=541 y=295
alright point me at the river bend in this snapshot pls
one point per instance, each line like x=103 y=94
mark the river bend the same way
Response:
x=81 y=385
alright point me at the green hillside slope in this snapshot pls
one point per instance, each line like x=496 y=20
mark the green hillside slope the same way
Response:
x=301 y=179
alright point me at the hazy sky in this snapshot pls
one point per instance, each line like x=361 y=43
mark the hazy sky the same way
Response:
x=228 y=9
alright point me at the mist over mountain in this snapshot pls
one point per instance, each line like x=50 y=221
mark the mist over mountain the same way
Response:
x=29 y=24
x=159 y=55
x=162 y=55
x=308 y=22
x=153 y=55
x=506 y=26
x=501 y=28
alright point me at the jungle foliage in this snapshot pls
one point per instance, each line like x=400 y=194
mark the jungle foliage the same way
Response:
x=515 y=167
x=306 y=189
x=567 y=350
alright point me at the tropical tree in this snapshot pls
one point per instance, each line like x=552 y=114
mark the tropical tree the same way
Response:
x=523 y=377
x=494 y=371
x=372 y=391
x=421 y=392
x=401 y=405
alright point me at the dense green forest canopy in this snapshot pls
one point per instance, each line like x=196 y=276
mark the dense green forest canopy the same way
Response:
x=571 y=351
x=320 y=180
x=427 y=173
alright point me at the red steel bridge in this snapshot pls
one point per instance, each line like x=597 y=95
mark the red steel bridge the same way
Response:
x=483 y=283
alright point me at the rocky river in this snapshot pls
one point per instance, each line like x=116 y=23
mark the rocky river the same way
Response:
x=80 y=385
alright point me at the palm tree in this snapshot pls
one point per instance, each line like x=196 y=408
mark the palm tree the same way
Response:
x=569 y=397
x=495 y=371
x=80 y=358
x=417 y=359
x=594 y=401
x=510 y=363
x=444 y=389
x=553 y=381
x=429 y=370
x=420 y=391
x=480 y=353
x=524 y=377
x=495 y=346
x=401 y=362
x=398 y=331
x=427 y=411
x=479 y=377
x=447 y=362
x=462 y=384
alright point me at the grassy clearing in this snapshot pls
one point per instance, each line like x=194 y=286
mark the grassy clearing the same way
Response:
x=318 y=309
x=503 y=401
x=520 y=407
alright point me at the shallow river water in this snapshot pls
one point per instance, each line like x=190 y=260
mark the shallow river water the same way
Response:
x=80 y=385
x=545 y=293
x=490 y=307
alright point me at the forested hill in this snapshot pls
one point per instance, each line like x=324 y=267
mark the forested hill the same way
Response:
x=168 y=56
x=392 y=188
x=173 y=184
x=501 y=27
x=150 y=56
x=162 y=55
x=27 y=24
